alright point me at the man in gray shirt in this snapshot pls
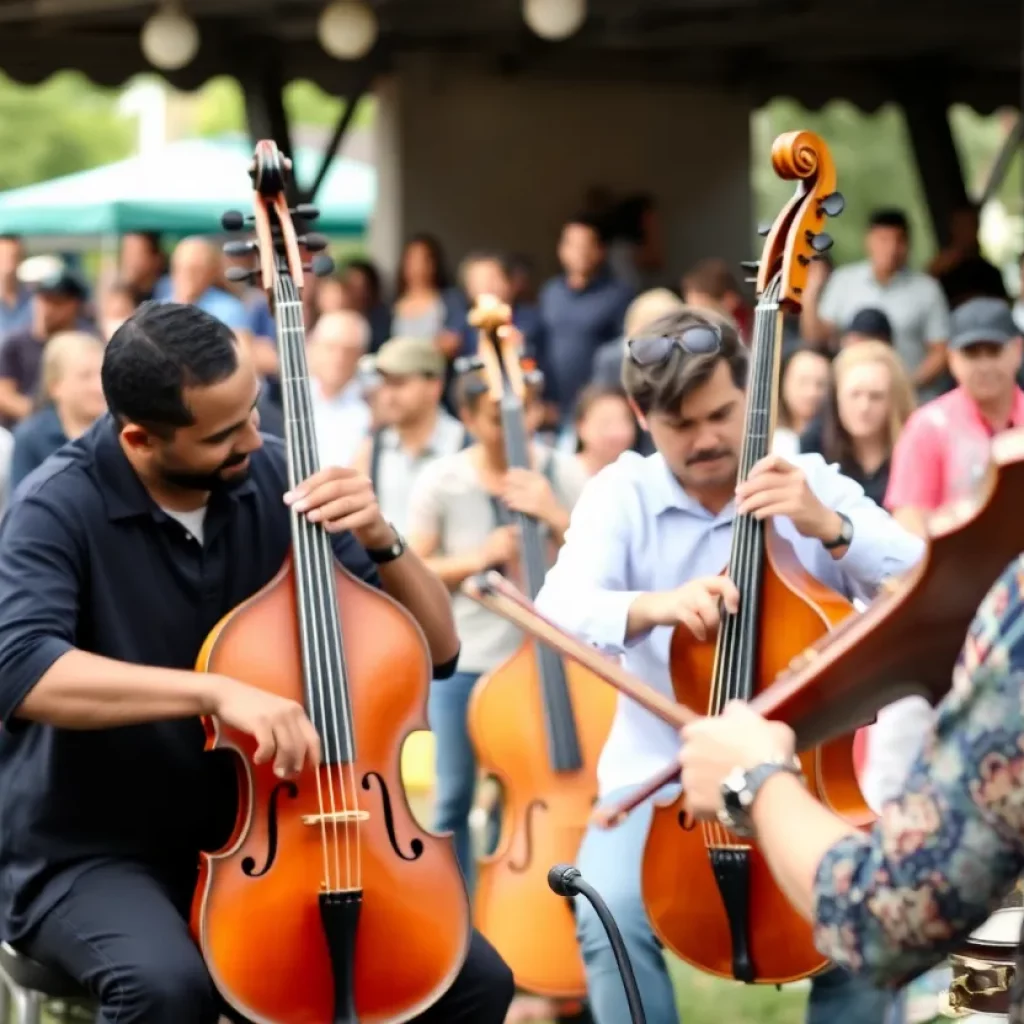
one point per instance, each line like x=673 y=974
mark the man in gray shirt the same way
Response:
x=914 y=303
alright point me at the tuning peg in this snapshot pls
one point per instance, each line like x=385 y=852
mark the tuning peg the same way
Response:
x=468 y=364
x=833 y=204
x=239 y=248
x=234 y=220
x=821 y=243
x=313 y=242
x=306 y=211
x=764 y=228
x=321 y=266
x=239 y=274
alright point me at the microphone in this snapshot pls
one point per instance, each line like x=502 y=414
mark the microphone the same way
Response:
x=565 y=880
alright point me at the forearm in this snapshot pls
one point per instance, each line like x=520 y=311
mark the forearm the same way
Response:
x=643 y=616
x=931 y=366
x=12 y=404
x=411 y=582
x=558 y=524
x=784 y=809
x=86 y=691
x=454 y=570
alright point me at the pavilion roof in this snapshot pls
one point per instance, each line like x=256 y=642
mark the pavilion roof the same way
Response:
x=812 y=50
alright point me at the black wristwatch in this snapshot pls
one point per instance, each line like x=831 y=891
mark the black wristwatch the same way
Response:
x=845 y=537
x=381 y=556
x=740 y=789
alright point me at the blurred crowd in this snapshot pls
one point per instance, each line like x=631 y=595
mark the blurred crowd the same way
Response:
x=874 y=341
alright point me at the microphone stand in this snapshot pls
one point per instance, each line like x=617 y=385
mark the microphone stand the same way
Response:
x=565 y=880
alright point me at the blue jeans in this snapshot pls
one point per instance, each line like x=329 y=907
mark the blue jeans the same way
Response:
x=611 y=861
x=455 y=766
x=838 y=997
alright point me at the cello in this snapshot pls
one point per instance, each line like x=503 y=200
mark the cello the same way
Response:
x=710 y=897
x=537 y=726
x=326 y=881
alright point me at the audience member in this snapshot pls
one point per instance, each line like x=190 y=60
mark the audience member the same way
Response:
x=71 y=400
x=605 y=427
x=870 y=400
x=960 y=268
x=336 y=345
x=913 y=302
x=57 y=305
x=582 y=309
x=801 y=393
x=15 y=298
x=943 y=451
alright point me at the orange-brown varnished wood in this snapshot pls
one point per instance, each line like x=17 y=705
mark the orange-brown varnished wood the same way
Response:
x=544 y=816
x=682 y=898
x=261 y=937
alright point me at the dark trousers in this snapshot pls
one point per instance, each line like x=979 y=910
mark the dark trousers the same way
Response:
x=124 y=935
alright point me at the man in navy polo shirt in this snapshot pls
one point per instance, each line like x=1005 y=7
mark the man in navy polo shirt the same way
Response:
x=117 y=557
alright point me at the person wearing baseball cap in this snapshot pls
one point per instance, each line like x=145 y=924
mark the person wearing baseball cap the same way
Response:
x=942 y=454
x=414 y=430
x=59 y=297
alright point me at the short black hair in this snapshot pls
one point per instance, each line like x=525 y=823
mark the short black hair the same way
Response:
x=588 y=220
x=10 y=236
x=889 y=217
x=153 y=239
x=159 y=351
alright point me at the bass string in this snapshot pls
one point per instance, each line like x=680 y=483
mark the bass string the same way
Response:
x=320 y=630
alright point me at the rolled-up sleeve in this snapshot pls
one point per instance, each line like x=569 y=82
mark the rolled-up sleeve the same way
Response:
x=881 y=547
x=942 y=857
x=586 y=591
x=41 y=569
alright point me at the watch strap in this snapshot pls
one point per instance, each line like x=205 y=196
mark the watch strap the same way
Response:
x=738 y=801
x=395 y=550
x=845 y=534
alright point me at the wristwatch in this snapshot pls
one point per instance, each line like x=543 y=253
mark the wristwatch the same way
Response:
x=740 y=789
x=845 y=537
x=381 y=556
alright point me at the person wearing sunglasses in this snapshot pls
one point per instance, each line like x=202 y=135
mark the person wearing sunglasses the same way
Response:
x=645 y=552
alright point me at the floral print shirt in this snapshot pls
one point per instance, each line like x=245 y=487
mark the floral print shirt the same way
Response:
x=894 y=901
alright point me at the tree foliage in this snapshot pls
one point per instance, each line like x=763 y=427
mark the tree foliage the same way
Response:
x=64 y=125
x=876 y=167
x=220 y=107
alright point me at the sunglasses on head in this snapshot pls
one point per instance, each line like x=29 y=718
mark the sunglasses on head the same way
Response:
x=697 y=340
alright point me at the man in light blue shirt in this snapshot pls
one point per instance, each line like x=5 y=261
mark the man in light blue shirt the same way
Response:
x=647 y=545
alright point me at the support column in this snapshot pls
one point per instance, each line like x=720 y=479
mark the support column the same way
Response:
x=488 y=160
x=938 y=162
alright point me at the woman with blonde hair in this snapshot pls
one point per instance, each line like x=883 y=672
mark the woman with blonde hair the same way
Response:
x=870 y=400
x=70 y=401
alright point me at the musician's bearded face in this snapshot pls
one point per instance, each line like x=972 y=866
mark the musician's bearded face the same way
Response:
x=213 y=452
x=701 y=441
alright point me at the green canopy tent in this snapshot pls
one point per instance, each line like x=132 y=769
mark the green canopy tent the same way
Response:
x=181 y=189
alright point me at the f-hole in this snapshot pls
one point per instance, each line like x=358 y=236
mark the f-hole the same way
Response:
x=415 y=845
x=249 y=863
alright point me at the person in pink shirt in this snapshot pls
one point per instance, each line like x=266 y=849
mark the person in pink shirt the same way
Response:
x=943 y=451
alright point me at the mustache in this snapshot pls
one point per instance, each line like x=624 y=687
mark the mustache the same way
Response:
x=708 y=456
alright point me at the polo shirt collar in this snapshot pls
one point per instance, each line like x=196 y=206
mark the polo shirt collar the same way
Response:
x=123 y=493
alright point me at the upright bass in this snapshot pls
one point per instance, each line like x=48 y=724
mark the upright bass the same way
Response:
x=537 y=725
x=328 y=905
x=709 y=896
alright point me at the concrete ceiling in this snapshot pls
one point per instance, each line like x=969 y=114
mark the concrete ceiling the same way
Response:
x=966 y=51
